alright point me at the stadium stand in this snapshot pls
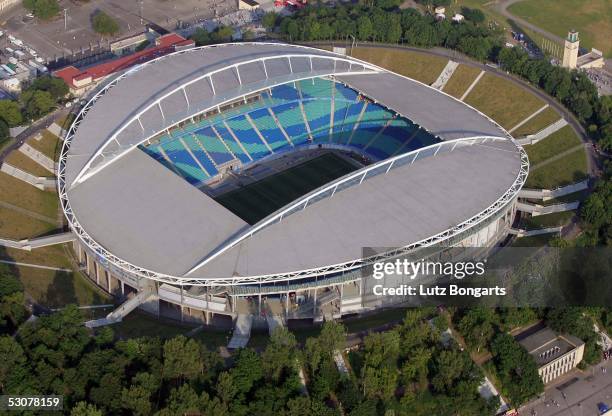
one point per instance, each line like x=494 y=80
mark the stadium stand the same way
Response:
x=309 y=111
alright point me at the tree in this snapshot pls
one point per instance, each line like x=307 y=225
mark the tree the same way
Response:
x=278 y=356
x=10 y=112
x=43 y=9
x=476 y=327
x=201 y=36
x=182 y=358
x=474 y=15
x=36 y=103
x=55 y=86
x=103 y=24
x=364 y=28
x=222 y=34
x=269 y=20
x=85 y=409
x=5 y=132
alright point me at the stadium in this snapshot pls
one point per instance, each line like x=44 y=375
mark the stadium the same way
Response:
x=244 y=181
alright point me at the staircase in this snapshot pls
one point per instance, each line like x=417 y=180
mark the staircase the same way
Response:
x=242 y=331
x=123 y=310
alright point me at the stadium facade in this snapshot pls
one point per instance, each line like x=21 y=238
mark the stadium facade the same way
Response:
x=171 y=177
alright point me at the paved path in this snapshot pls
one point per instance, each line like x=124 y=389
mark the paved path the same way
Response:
x=502 y=7
x=29 y=213
x=36 y=266
x=557 y=157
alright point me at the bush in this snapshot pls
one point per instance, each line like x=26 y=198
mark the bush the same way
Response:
x=475 y=15
x=103 y=24
x=43 y=9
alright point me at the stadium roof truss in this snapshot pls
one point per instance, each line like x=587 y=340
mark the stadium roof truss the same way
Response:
x=270 y=68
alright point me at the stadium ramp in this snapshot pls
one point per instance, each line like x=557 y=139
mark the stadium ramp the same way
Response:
x=242 y=331
x=536 y=210
x=546 y=194
x=544 y=133
x=124 y=309
x=39 y=242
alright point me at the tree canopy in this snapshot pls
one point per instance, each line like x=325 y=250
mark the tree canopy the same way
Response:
x=103 y=24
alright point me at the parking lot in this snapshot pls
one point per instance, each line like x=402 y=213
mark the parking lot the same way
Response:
x=59 y=36
x=576 y=394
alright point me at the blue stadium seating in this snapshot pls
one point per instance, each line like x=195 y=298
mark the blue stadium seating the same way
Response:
x=195 y=150
x=318 y=111
x=232 y=144
x=248 y=137
x=198 y=152
x=269 y=129
x=290 y=116
x=315 y=88
x=183 y=161
x=213 y=145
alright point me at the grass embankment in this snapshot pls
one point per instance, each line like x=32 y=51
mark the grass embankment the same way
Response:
x=23 y=195
x=23 y=162
x=564 y=171
x=539 y=122
x=415 y=65
x=504 y=102
x=49 y=144
x=460 y=81
x=554 y=144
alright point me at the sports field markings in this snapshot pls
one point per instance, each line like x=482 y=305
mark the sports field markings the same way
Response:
x=471 y=87
x=528 y=118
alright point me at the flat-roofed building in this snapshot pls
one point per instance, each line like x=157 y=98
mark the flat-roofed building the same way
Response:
x=554 y=354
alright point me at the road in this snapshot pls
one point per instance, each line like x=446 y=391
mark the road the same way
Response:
x=576 y=394
x=37 y=126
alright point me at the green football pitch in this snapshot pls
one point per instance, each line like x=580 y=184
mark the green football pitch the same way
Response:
x=259 y=199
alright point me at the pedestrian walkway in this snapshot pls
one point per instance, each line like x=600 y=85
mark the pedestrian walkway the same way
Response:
x=544 y=133
x=547 y=194
x=528 y=118
x=519 y=232
x=33 y=243
x=242 y=331
x=39 y=182
x=536 y=210
x=472 y=85
x=124 y=309
x=445 y=75
x=38 y=157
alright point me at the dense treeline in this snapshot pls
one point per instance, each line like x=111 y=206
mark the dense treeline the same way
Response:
x=383 y=21
x=407 y=370
x=596 y=212
x=572 y=88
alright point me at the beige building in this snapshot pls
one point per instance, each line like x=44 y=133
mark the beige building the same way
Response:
x=247 y=5
x=570 y=50
x=554 y=354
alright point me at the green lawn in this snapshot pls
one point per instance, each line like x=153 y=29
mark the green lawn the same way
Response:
x=26 y=196
x=374 y=320
x=537 y=241
x=592 y=18
x=21 y=161
x=49 y=144
x=16 y=225
x=53 y=256
x=569 y=169
x=419 y=66
x=503 y=101
x=542 y=120
x=138 y=324
x=56 y=289
x=257 y=200
x=461 y=79
x=554 y=144
x=548 y=220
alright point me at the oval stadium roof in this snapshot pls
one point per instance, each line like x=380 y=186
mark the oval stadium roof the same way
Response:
x=140 y=216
